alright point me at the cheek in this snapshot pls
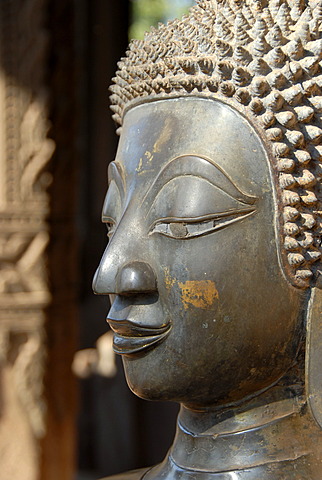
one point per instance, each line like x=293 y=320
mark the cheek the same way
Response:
x=200 y=294
x=194 y=309
x=179 y=289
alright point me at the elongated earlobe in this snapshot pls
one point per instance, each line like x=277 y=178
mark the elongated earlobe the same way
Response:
x=314 y=355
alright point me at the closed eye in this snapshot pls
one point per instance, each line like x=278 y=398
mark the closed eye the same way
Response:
x=186 y=228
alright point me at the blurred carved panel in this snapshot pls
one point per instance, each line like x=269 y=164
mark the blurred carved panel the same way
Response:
x=26 y=284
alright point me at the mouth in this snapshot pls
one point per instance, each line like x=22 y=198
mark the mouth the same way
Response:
x=130 y=338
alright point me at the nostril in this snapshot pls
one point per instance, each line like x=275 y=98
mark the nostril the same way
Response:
x=136 y=277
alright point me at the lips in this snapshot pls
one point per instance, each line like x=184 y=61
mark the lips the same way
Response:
x=130 y=338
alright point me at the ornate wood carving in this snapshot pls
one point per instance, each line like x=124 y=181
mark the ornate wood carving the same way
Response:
x=27 y=255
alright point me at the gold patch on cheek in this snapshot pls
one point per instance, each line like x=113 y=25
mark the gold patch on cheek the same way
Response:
x=200 y=294
x=169 y=281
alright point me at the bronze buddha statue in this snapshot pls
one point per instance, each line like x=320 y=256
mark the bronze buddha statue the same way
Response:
x=214 y=219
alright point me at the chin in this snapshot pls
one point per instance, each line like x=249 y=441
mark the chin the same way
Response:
x=147 y=382
x=169 y=384
x=158 y=378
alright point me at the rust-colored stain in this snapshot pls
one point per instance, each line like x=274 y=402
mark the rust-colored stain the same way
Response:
x=200 y=294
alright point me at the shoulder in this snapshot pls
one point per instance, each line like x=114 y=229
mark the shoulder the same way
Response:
x=133 y=475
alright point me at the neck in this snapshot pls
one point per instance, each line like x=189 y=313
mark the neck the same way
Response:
x=272 y=431
x=232 y=441
x=199 y=420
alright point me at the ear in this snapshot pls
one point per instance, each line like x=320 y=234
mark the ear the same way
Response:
x=313 y=361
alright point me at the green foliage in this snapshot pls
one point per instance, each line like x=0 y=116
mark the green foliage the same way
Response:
x=149 y=12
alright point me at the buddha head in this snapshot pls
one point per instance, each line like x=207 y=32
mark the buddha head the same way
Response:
x=213 y=206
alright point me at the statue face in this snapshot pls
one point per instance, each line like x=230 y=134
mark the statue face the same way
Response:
x=202 y=312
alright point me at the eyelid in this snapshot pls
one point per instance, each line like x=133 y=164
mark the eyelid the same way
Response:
x=189 y=167
x=196 y=178
x=226 y=220
x=202 y=218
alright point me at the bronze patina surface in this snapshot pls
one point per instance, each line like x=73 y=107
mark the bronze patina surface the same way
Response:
x=213 y=262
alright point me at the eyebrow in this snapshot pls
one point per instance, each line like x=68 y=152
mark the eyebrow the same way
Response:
x=115 y=172
x=198 y=166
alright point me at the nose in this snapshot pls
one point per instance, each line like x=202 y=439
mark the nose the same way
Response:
x=136 y=277
x=133 y=278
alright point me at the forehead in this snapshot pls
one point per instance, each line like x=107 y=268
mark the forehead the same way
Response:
x=154 y=133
